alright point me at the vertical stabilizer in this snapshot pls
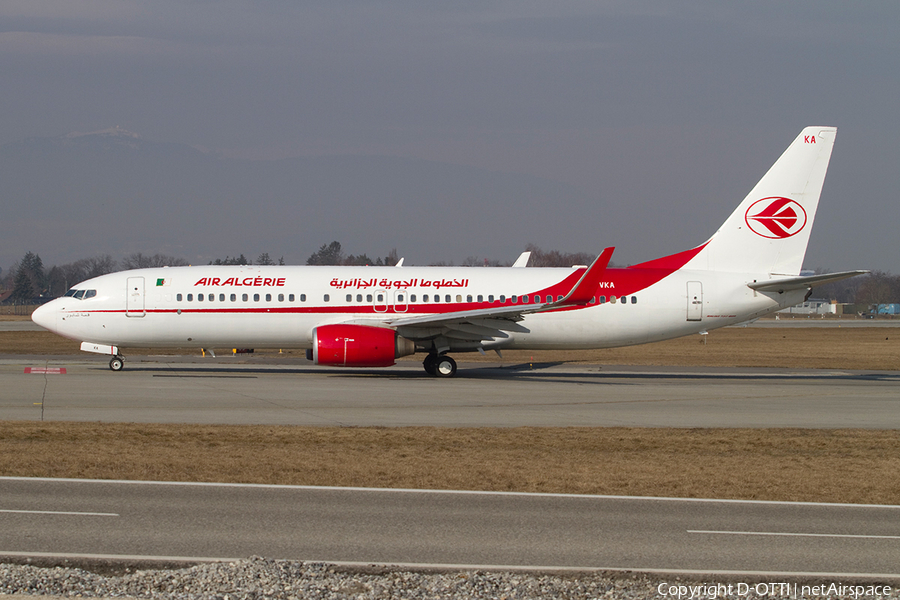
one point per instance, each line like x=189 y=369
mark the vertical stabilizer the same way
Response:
x=769 y=231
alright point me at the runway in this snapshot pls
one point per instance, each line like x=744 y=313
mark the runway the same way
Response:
x=475 y=530
x=292 y=391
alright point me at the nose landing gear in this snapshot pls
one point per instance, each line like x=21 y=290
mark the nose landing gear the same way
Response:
x=117 y=363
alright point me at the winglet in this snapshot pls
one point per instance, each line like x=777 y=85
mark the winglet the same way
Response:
x=584 y=290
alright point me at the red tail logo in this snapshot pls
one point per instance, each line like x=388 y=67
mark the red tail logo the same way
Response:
x=775 y=218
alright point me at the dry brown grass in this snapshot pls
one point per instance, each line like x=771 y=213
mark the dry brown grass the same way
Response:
x=775 y=464
x=791 y=347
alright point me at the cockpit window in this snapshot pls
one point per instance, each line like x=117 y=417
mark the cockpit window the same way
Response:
x=90 y=294
x=70 y=293
x=81 y=294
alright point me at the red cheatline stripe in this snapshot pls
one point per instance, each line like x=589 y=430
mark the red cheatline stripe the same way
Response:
x=46 y=370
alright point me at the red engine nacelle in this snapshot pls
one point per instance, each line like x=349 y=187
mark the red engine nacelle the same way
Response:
x=358 y=346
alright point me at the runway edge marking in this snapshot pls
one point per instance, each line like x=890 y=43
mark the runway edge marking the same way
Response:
x=431 y=491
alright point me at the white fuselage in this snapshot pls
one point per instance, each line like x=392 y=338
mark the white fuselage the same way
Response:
x=280 y=306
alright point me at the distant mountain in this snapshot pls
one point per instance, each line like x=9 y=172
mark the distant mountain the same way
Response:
x=111 y=191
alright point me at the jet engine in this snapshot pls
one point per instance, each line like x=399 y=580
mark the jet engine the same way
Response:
x=357 y=346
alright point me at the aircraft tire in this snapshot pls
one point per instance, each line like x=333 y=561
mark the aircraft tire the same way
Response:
x=116 y=363
x=444 y=366
x=429 y=364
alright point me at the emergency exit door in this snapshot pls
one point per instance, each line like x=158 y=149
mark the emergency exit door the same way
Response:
x=134 y=297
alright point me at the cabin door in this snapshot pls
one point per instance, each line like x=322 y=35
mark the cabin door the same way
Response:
x=134 y=297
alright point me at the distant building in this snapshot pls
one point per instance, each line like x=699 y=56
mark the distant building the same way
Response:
x=889 y=309
x=814 y=306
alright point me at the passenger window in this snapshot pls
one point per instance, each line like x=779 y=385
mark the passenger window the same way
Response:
x=245 y=297
x=381 y=297
x=178 y=297
x=437 y=298
x=190 y=297
x=221 y=297
x=558 y=298
x=256 y=297
x=268 y=297
x=425 y=298
x=480 y=298
x=490 y=297
x=469 y=298
x=459 y=297
x=349 y=297
x=447 y=298
x=515 y=299
x=502 y=299
x=302 y=297
x=612 y=299
x=368 y=297
x=327 y=298
x=290 y=297
x=549 y=299
x=634 y=299
x=400 y=298
x=359 y=297
x=412 y=298
x=234 y=297
x=602 y=299
x=593 y=300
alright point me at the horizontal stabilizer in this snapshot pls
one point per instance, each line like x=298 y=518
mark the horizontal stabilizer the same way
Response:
x=799 y=283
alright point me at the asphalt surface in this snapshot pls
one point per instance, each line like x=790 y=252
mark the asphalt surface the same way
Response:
x=129 y=519
x=137 y=520
x=293 y=391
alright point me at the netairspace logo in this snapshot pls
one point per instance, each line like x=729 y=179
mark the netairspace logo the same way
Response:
x=771 y=590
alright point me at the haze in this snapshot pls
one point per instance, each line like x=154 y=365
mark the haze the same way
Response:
x=444 y=130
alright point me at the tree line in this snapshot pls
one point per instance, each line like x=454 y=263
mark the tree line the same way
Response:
x=29 y=279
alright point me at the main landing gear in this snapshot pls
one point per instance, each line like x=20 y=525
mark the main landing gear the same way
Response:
x=117 y=363
x=439 y=365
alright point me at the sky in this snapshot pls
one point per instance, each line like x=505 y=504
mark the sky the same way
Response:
x=666 y=112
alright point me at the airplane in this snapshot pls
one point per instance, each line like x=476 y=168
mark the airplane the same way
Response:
x=369 y=316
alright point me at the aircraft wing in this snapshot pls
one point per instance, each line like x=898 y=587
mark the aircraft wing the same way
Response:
x=799 y=283
x=489 y=323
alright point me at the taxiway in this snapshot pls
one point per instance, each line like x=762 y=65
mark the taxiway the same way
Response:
x=292 y=391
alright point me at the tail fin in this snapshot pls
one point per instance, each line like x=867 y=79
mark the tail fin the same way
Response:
x=769 y=231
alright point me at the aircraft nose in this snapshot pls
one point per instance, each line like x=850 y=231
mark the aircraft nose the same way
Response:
x=45 y=316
